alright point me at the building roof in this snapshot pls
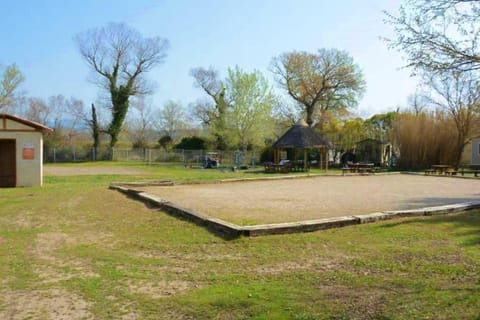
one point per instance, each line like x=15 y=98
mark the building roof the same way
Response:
x=300 y=136
x=35 y=125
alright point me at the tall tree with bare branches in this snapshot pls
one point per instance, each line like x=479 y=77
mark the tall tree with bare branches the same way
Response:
x=119 y=57
x=438 y=35
x=458 y=94
x=321 y=81
x=212 y=113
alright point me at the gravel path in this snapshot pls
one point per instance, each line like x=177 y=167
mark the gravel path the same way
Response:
x=318 y=197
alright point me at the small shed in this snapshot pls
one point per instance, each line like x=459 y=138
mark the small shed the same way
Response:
x=301 y=139
x=21 y=151
x=373 y=151
x=475 y=159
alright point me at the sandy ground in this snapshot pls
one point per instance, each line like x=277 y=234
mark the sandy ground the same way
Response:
x=319 y=197
x=86 y=170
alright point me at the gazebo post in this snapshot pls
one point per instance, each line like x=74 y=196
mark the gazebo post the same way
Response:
x=320 y=158
x=305 y=159
x=326 y=158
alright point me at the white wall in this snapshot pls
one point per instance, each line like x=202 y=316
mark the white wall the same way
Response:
x=29 y=171
x=475 y=159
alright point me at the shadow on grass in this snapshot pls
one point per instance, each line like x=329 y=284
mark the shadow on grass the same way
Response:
x=467 y=222
x=216 y=232
x=433 y=202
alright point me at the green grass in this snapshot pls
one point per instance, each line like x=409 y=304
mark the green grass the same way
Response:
x=123 y=259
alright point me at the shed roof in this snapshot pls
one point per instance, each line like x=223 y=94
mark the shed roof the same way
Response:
x=300 y=136
x=35 y=125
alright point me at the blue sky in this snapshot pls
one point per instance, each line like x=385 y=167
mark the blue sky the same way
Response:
x=37 y=35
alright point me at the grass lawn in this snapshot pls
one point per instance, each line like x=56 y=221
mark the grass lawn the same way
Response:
x=74 y=249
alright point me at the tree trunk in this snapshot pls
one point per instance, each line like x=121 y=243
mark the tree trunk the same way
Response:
x=309 y=110
x=95 y=131
x=120 y=97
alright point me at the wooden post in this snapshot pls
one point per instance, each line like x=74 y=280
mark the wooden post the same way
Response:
x=326 y=159
x=305 y=159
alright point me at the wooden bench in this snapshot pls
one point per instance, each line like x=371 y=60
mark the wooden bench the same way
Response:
x=474 y=172
x=286 y=168
x=346 y=170
x=450 y=173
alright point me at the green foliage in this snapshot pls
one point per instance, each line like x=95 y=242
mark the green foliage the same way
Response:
x=192 y=143
x=164 y=141
x=241 y=113
x=120 y=96
x=9 y=83
x=249 y=118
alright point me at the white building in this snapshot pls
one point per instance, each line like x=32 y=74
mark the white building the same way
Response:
x=21 y=151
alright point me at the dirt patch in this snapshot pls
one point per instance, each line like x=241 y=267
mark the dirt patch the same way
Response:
x=46 y=243
x=44 y=304
x=289 y=200
x=55 y=267
x=159 y=289
x=292 y=266
x=365 y=304
x=83 y=170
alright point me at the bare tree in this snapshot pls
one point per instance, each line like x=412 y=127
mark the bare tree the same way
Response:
x=458 y=94
x=61 y=114
x=418 y=102
x=38 y=111
x=11 y=79
x=212 y=114
x=141 y=125
x=172 y=119
x=438 y=35
x=320 y=81
x=119 y=57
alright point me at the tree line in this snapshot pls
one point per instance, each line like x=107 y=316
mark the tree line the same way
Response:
x=439 y=39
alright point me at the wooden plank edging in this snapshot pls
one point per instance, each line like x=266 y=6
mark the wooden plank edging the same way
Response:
x=235 y=230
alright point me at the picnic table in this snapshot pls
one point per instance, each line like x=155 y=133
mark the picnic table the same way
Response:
x=470 y=168
x=440 y=169
x=271 y=167
x=358 y=167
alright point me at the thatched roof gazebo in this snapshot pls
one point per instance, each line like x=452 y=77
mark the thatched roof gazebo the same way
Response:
x=301 y=139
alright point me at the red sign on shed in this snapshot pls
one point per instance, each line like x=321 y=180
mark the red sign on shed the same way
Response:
x=28 y=151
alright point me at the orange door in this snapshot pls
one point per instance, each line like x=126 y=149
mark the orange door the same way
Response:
x=8 y=168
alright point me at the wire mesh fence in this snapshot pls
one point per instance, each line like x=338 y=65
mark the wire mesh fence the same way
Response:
x=190 y=158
